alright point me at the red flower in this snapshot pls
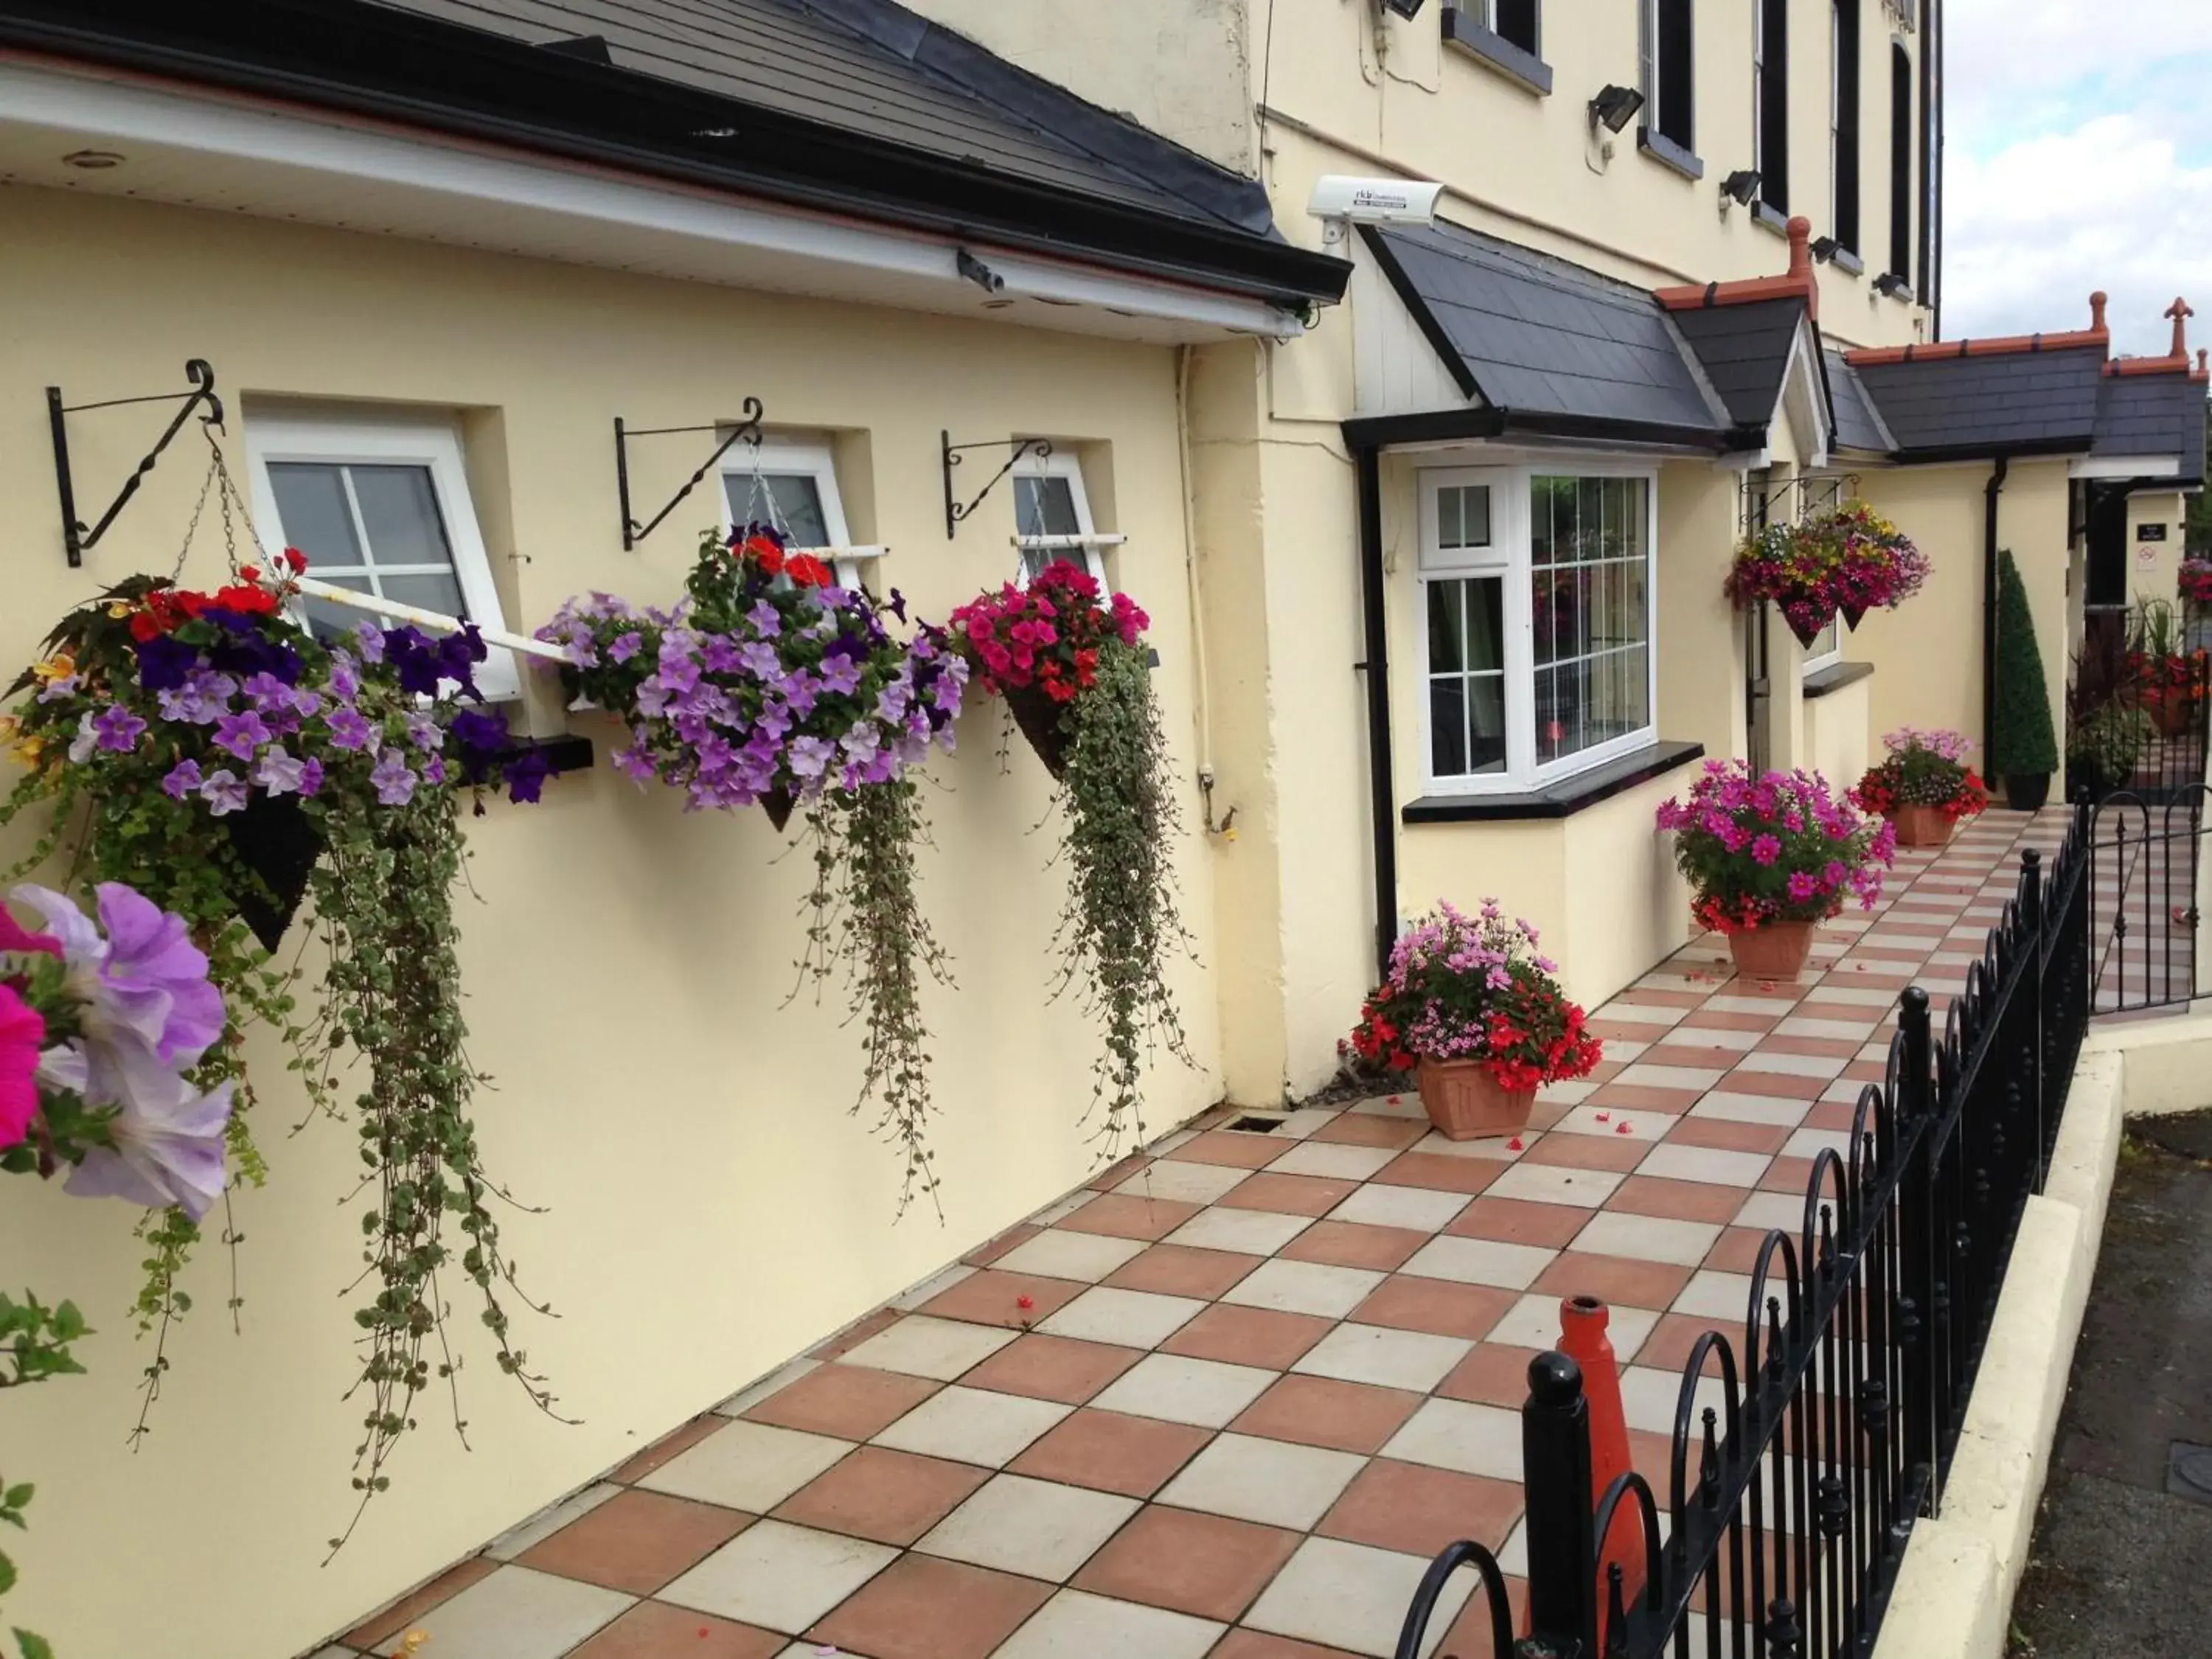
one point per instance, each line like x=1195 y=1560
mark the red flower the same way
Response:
x=807 y=571
x=145 y=625
x=295 y=560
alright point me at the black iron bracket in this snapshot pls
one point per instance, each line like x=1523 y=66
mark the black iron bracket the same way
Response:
x=75 y=537
x=748 y=431
x=954 y=513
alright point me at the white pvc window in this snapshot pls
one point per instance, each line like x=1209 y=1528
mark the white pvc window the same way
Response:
x=791 y=484
x=382 y=508
x=1049 y=505
x=1535 y=658
x=1827 y=650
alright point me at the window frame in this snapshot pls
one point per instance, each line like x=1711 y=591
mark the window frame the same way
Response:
x=1901 y=96
x=805 y=457
x=1654 y=54
x=360 y=439
x=1483 y=13
x=1060 y=464
x=1817 y=662
x=1509 y=557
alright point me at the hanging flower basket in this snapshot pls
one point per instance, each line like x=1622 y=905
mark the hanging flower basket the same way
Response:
x=1077 y=678
x=1844 y=561
x=767 y=683
x=279 y=843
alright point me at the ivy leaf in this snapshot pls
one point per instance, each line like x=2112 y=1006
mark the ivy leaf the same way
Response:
x=16 y=1497
x=33 y=1646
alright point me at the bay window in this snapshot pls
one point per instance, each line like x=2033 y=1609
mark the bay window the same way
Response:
x=1535 y=596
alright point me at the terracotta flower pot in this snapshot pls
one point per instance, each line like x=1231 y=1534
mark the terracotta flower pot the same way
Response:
x=1777 y=950
x=1922 y=826
x=1466 y=1102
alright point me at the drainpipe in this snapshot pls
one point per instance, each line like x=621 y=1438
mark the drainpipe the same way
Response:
x=1933 y=96
x=1382 y=803
x=1999 y=467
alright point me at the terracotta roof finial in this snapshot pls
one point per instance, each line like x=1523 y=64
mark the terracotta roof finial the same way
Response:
x=2180 y=311
x=2097 y=302
x=1800 y=245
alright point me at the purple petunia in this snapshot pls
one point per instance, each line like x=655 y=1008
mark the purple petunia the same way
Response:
x=625 y=647
x=182 y=780
x=139 y=976
x=394 y=783
x=119 y=729
x=241 y=734
x=224 y=792
x=350 y=729
x=279 y=773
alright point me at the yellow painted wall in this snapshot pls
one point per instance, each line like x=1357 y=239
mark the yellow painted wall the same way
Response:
x=711 y=1208
x=1838 y=736
x=2155 y=568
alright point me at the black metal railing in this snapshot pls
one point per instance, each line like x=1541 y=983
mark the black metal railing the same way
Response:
x=2143 y=917
x=1808 y=1442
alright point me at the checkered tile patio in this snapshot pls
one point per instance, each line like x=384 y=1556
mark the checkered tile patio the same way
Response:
x=1228 y=1399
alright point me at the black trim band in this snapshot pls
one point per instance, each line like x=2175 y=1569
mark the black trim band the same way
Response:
x=1495 y=51
x=1559 y=801
x=1380 y=431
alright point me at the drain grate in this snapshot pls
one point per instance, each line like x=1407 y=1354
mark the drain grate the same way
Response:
x=2189 y=1472
x=1257 y=1125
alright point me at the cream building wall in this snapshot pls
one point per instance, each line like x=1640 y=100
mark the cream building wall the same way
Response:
x=2154 y=567
x=709 y=1205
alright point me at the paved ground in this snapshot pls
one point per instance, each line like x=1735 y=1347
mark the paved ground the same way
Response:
x=2119 y=1565
x=1228 y=1399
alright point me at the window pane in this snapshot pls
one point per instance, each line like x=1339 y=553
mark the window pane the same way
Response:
x=1448 y=726
x=441 y=593
x=310 y=501
x=1463 y=516
x=399 y=511
x=1590 y=529
x=792 y=500
x=1829 y=639
x=1486 y=624
x=1487 y=719
x=1447 y=629
x=1044 y=507
x=326 y=621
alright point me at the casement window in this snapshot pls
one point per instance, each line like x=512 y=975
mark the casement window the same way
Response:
x=792 y=485
x=381 y=507
x=1666 y=35
x=1520 y=23
x=1049 y=501
x=1843 y=124
x=1901 y=162
x=1535 y=657
x=1827 y=650
x=1769 y=95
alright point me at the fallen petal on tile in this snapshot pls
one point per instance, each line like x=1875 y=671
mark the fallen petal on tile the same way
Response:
x=1515 y=1145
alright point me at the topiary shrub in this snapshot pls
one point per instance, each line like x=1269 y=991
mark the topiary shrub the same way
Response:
x=2022 y=744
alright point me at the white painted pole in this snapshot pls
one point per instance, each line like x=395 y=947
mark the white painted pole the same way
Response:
x=409 y=613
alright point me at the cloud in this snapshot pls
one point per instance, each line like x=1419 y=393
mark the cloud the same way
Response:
x=2076 y=161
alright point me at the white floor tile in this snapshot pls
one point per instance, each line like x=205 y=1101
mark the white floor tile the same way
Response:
x=1810 y=1143
x=1804 y=1026
x=1648 y=1238
x=1771 y=1109
x=779 y=1576
x=1203 y=1392
x=1182 y=1182
x=973 y=1425
x=1714 y=1037
x=1268 y=1481
x=1329 y=1158
x=746 y=1466
x=1648 y=1397
x=774 y=1382
x=1765 y=1210
x=517 y=1613
x=1064 y=1208
x=1666 y=1076
x=1251 y=1232
x=920 y=1345
x=1039 y=1529
x=1479 y=1261
x=1131 y=1319
x=1305 y=1287
x=1716 y=1295
x=1376 y=1205
x=1352 y=1597
x=1495 y=1148
x=1772 y=1007
x=1075 y=1625
x=1453 y=1434
x=1710 y=1164
x=1390 y=1358
x=1611 y=1120
x=1770 y=1064
x=1057 y=1253
x=1551 y=1183
x=933 y=1287
x=1534 y=1323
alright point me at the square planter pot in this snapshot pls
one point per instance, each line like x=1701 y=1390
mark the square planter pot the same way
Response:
x=1466 y=1102
x=1922 y=826
x=1777 y=951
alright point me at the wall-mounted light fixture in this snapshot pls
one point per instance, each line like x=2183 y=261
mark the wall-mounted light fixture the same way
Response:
x=1824 y=249
x=1614 y=107
x=1741 y=186
x=1892 y=285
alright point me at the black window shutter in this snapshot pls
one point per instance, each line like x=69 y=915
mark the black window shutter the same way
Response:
x=1847 y=123
x=1901 y=162
x=1678 y=73
x=1519 y=21
x=1774 y=107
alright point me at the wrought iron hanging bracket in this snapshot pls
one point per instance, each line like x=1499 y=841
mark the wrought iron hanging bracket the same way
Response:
x=954 y=512
x=747 y=431
x=76 y=536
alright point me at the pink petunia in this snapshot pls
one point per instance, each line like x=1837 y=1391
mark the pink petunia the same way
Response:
x=22 y=1034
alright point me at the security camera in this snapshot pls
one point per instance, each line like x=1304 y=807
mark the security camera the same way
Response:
x=1339 y=199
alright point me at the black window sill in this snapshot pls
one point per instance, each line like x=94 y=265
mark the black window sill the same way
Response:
x=1771 y=216
x=1494 y=50
x=1847 y=260
x=1834 y=678
x=1562 y=800
x=1665 y=151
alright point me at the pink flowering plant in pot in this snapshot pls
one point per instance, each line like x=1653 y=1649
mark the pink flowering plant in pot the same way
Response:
x=1769 y=856
x=208 y=751
x=1844 y=561
x=767 y=683
x=1472 y=1006
x=104 y=1020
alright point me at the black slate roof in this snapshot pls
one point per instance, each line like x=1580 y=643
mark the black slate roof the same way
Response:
x=1937 y=407
x=1858 y=424
x=1745 y=350
x=1530 y=334
x=2153 y=415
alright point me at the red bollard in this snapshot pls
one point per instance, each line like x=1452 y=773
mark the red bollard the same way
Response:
x=1583 y=1338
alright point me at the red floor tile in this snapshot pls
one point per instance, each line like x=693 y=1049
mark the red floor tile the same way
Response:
x=1242 y=1644
x=1617 y=1152
x=1435 y=1305
x=1518 y=1221
x=1318 y=1411
x=1263 y=1337
x=891 y=1497
x=1668 y=1347
x=1179 y=1270
x=1371 y=1129
x=1289 y=1194
x=1613 y=1280
x=1051 y=1368
x=1120 y=1215
x=1117 y=1172
x=1645 y=1097
x=1238 y=1150
x=1206 y=1566
x=1349 y=1244
x=654 y=1630
x=1492 y=1374
x=1676 y=1200
x=1441 y=1172
x=993 y=1296
x=1786 y=1175
x=1473 y=1634
x=636 y=1541
x=1748 y=1079
x=852 y=1402
x=1724 y=1136
x=410 y=1607
x=661 y=1450
x=919 y=1608
x=1110 y=1452
x=984 y=1256
x=1418 y=1510
x=1736 y=1250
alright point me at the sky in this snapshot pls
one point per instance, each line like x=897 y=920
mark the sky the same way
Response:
x=2079 y=156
